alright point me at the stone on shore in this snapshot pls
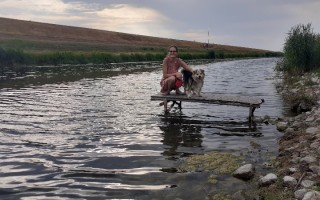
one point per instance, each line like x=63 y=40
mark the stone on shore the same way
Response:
x=307 y=183
x=289 y=181
x=245 y=172
x=308 y=159
x=268 y=180
x=312 y=195
x=281 y=126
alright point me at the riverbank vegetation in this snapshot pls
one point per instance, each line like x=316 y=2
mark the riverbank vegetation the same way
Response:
x=30 y=56
x=301 y=50
x=13 y=57
x=300 y=66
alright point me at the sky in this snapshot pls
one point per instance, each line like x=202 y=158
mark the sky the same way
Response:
x=261 y=24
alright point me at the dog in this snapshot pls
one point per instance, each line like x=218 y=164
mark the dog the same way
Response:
x=193 y=82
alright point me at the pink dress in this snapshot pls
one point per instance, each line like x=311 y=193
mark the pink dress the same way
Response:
x=168 y=84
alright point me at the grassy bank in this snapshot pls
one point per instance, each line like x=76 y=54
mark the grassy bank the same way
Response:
x=15 y=57
x=301 y=59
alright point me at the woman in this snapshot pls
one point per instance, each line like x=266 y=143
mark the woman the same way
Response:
x=170 y=69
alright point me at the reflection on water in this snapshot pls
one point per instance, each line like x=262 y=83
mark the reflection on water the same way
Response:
x=93 y=133
x=178 y=132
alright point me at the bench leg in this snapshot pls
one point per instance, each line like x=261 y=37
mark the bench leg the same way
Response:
x=180 y=105
x=171 y=106
x=251 y=111
x=165 y=106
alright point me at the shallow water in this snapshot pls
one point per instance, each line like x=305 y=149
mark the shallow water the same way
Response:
x=76 y=133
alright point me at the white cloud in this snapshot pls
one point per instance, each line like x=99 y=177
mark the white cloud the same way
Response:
x=117 y=17
x=32 y=8
x=49 y=11
x=130 y=19
x=127 y=12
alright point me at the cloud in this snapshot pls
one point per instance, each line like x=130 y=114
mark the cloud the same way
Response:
x=49 y=11
x=130 y=19
x=31 y=9
x=116 y=17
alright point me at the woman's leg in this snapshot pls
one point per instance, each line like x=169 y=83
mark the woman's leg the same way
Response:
x=167 y=84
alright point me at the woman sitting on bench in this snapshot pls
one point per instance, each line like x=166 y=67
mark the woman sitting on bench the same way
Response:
x=172 y=78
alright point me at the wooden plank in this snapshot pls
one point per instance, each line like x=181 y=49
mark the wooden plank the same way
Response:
x=212 y=98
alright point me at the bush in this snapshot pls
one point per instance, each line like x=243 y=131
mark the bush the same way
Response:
x=299 y=49
x=220 y=55
x=11 y=57
x=316 y=58
x=211 y=54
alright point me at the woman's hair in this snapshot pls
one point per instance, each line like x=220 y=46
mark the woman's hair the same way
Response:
x=174 y=47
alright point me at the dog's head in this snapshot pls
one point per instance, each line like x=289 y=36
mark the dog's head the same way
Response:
x=198 y=75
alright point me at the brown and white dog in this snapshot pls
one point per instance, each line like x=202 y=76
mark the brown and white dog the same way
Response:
x=193 y=82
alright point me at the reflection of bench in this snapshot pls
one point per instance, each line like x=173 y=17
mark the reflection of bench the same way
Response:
x=212 y=98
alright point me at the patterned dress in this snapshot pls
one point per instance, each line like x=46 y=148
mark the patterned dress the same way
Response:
x=168 y=84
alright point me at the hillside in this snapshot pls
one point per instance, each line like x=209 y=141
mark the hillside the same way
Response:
x=35 y=36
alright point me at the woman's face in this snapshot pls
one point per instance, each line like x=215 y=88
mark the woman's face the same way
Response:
x=172 y=52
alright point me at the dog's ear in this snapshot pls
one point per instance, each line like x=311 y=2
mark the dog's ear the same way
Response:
x=202 y=70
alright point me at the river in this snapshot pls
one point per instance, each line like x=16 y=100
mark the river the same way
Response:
x=93 y=133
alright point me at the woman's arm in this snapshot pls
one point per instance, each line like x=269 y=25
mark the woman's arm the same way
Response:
x=186 y=66
x=164 y=69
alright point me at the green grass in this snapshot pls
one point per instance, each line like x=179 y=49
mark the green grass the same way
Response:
x=17 y=52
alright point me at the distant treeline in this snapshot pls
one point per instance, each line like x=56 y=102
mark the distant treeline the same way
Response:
x=10 y=57
x=301 y=50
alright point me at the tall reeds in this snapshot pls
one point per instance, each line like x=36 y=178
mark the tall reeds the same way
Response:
x=301 y=50
x=301 y=59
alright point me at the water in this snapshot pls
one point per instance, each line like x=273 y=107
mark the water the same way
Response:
x=71 y=133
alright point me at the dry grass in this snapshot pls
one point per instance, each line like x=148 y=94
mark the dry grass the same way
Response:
x=37 y=36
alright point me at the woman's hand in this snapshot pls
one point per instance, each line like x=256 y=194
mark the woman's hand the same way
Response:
x=178 y=75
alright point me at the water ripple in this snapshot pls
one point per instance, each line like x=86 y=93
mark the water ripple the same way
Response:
x=97 y=135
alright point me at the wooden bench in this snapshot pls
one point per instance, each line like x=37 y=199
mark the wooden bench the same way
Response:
x=212 y=98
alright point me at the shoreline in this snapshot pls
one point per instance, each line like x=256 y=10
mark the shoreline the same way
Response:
x=297 y=165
